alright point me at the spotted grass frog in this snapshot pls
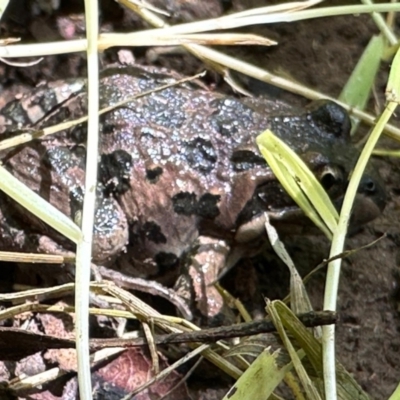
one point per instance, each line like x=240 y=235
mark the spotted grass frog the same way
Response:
x=182 y=187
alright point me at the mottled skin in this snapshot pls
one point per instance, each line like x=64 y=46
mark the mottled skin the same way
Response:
x=181 y=183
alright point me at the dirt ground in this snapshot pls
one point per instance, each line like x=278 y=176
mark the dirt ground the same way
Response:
x=320 y=53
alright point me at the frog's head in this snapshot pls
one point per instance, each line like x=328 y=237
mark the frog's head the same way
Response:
x=321 y=136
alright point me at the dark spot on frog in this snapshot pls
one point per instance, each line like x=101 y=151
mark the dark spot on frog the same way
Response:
x=80 y=153
x=200 y=154
x=16 y=113
x=329 y=117
x=224 y=118
x=110 y=127
x=107 y=127
x=48 y=102
x=150 y=231
x=165 y=261
x=79 y=133
x=267 y=196
x=186 y=203
x=244 y=160
x=153 y=174
x=207 y=206
x=19 y=111
x=115 y=170
x=153 y=232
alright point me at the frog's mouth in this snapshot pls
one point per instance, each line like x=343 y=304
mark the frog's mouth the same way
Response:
x=288 y=218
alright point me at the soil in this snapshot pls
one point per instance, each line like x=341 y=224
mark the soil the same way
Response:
x=320 y=53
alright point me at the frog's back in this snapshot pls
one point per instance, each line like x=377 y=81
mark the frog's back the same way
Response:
x=177 y=150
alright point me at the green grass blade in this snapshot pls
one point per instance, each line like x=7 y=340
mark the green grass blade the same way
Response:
x=260 y=379
x=308 y=385
x=299 y=182
x=357 y=90
x=396 y=394
x=393 y=86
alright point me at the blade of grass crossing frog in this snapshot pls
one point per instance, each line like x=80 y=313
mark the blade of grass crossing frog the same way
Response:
x=292 y=188
x=348 y=388
x=357 y=90
x=296 y=178
x=307 y=182
x=299 y=300
x=38 y=206
x=260 y=379
x=315 y=193
x=308 y=385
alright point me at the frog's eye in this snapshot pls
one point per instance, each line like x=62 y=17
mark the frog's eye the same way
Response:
x=330 y=177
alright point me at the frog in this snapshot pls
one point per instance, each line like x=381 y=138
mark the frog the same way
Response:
x=182 y=187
